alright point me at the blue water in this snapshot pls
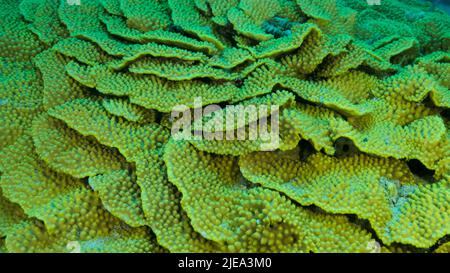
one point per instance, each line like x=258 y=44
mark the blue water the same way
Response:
x=442 y=4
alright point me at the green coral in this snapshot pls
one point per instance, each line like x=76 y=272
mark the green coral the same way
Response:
x=90 y=95
x=400 y=207
x=224 y=208
x=120 y=195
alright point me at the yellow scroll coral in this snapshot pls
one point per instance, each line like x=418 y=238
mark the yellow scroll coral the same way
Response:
x=355 y=156
x=250 y=218
x=383 y=191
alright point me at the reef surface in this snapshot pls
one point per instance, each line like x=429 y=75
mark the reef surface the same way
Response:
x=89 y=163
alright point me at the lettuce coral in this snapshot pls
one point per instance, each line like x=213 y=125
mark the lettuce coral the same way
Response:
x=89 y=161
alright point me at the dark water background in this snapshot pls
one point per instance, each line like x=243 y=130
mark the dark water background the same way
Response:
x=442 y=4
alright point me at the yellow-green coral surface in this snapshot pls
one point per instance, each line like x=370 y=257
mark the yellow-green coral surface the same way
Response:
x=89 y=161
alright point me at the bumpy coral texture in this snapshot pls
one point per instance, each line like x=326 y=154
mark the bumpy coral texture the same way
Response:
x=88 y=162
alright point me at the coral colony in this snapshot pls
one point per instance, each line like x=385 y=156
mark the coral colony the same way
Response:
x=224 y=126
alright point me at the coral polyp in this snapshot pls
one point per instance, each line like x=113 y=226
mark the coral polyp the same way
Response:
x=355 y=97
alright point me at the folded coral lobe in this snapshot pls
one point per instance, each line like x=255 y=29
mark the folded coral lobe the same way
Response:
x=224 y=126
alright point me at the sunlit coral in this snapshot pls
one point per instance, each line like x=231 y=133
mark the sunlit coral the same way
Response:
x=88 y=161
